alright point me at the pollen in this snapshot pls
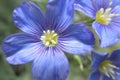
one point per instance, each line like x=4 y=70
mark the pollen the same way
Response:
x=49 y=38
x=104 y=16
x=107 y=68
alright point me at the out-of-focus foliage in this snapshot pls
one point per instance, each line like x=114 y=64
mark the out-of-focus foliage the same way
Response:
x=79 y=64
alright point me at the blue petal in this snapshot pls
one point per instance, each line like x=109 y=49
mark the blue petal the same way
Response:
x=86 y=7
x=97 y=4
x=28 y=17
x=97 y=59
x=107 y=34
x=90 y=7
x=116 y=20
x=117 y=74
x=115 y=3
x=73 y=46
x=20 y=48
x=115 y=57
x=116 y=10
x=95 y=75
x=52 y=64
x=80 y=32
x=106 y=78
x=59 y=14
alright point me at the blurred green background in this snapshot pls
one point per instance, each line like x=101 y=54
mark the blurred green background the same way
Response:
x=79 y=65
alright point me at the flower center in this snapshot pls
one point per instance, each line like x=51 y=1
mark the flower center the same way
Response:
x=104 y=16
x=49 y=38
x=108 y=69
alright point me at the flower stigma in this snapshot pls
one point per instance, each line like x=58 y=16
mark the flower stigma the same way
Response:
x=108 y=69
x=49 y=38
x=104 y=16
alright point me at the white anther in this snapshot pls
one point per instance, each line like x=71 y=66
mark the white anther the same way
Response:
x=48 y=31
x=54 y=35
x=47 y=43
x=101 y=10
x=110 y=3
x=53 y=31
x=42 y=37
x=53 y=41
x=44 y=32
x=107 y=11
x=112 y=66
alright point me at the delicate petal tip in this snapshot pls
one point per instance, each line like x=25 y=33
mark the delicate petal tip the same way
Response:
x=106 y=34
x=77 y=39
x=20 y=48
x=52 y=65
x=81 y=32
x=97 y=58
x=60 y=14
x=86 y=7
x=28 y=17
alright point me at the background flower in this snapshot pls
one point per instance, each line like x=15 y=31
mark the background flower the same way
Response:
x=45 y=37
x=106 y=14
x=105 y=66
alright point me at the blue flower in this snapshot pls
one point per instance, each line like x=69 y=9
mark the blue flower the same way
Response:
x=105 y=66
x=107 y=18
x=45 y=37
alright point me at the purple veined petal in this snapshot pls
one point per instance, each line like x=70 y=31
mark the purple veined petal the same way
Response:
x=59 y=14
x=97 y=4
x=95 y=75
x=115 y=3
x=116 y=75
x=106 y=78
x=116 y=25
x=116 y=10
x=115 y=57
x=80 y=32
x=51 y=64
x=21 y=48
x=73 y=46
x=29 y=18
x=97 y=58
x=106 y=34
x=86 y=7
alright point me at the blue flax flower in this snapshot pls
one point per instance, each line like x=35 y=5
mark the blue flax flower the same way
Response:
x=45 y=38
x=105 y=66
x=107 y=18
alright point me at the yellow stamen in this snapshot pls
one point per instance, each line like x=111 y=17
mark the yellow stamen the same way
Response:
x=104 y=16
x=49 y=38
x=107 y=68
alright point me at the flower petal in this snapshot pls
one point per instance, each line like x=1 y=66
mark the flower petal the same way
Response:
x=86 y=7
x=115 y=57
x=59 y=14
x=80 y=32
x=97 y=58
x=97 y=4
x=20 y=48
x=107 y=34
x=106 y=78
x=73 y=46
x=52 y=64
x=28 y=17
x=117 y=73
x=95 y=75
